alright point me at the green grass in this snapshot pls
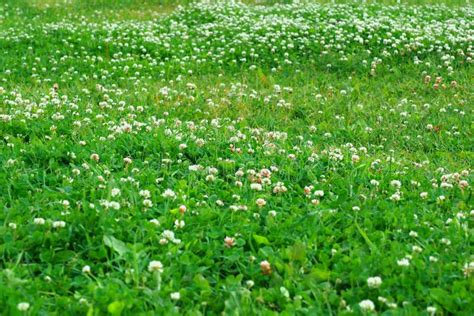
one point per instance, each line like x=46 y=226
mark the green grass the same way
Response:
x=350 y=124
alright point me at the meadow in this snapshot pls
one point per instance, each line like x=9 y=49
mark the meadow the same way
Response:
x=236 y=158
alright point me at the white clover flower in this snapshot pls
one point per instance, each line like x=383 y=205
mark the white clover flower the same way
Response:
x=179 y=224
x=284 y=292
x=169 y=194
x=463 y=184
x=446 y=241
x=403 y=262
x=431 y=310
x=446 y=185
x=86 y=269
x=319 y=193
x=115 y=192
x=155 y=266
x=11 y=162
x=175 y=296
x=114 y=205
x=168 y=234
x=145 y=194
x=176 y=241
x=239 y=173
x=395 y=183
x=39 y=221
x=392 y=305
x=23 y=306
x=195 y=167
x=374 y=282
x=229 y=242
x=155 y=222
x=261 y=202
x=468 y=268
x=256 y=186
x=147 y=203
x=374 y=182
x=200 y=142
x=59 y=224
x=213 y=170
x=367 y=305
x=395 y=197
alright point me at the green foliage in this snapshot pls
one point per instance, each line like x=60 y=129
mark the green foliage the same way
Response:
x=264 y=157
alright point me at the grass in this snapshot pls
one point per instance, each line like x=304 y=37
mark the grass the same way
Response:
x=164 y=157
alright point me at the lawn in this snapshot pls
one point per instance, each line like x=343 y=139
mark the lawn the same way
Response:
x=236 y=158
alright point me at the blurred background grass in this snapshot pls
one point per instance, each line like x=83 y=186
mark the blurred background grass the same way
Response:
x=13 y=12
x=125 y=3
x=88 y=5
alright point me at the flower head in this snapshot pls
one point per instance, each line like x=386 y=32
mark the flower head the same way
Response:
x=155 y=266
x=374 y=282
x=23 y=306
x=265 y=267
x=229 y=242
x=367 y=305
